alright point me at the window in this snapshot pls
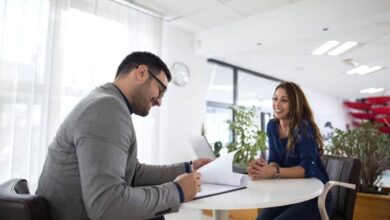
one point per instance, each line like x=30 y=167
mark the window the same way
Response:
x=52 y=53
x=221 y=87
x=216 y=127
x=235 y=86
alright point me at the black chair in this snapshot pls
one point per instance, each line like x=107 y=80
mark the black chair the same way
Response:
x=344 y=172
x=16 y=203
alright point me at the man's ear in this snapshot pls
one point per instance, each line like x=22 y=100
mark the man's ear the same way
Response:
x=141 y=72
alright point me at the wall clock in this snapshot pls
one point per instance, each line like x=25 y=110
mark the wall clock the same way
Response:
x=180 y=73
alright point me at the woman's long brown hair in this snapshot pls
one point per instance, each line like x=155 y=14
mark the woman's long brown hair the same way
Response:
x=299 y=110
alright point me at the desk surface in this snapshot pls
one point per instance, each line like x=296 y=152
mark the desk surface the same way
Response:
x=262 y=194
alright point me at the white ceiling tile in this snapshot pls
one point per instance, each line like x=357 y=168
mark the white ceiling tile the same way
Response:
x=176 y=8
x=251 y=7
x=187 y=7
x=215 y=16
x=188 y=24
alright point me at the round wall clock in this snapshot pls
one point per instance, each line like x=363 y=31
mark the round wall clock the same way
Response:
x=180 y=73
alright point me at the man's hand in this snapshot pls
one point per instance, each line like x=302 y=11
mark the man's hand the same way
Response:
x=190 y=183
x=198 y=163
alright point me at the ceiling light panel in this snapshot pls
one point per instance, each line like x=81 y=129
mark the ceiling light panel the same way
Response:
x=342 y=48
x=369 y=70
x=363 y=70
x=371 y=90
x=325 y=47
x=356 y=70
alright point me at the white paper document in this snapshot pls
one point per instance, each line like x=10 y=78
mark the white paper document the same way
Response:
x=218 y=177
x=201 y=147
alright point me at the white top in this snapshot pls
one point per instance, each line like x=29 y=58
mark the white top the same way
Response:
x=262 y=194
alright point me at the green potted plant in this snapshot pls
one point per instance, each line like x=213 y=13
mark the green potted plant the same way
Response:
x=249 y=138
x=369 y=145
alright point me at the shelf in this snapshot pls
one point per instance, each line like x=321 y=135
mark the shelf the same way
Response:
x=358 y=105
x=378 y=100
x=375 y=109
x=360 y=115
x=381 y=110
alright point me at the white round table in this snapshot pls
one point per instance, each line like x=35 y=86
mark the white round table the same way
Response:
x=260 y=194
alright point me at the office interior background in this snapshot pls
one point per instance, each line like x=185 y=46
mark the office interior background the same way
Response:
x=53 y=52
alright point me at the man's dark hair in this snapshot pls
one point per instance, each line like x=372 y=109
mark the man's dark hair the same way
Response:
x=133 y=60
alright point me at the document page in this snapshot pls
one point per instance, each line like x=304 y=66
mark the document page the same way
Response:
x=218 y=177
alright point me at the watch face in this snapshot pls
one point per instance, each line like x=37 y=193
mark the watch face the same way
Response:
x=181 y=74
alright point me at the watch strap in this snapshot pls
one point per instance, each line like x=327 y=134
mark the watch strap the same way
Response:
x=277 y=174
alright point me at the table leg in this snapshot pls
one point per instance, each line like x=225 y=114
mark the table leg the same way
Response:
x=220 y=214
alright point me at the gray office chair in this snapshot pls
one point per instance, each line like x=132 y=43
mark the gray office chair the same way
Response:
x=17 y=203
x=343 y=173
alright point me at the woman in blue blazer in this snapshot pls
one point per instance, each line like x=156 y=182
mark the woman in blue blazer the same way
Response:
x=295 y=147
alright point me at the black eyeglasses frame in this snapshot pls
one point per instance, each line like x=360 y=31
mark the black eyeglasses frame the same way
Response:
x=161 y=92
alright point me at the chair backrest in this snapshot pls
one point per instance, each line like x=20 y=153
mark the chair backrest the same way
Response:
x=343 y=169
x=17 y=203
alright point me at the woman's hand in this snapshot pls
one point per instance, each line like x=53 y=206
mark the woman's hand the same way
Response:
x=259 y=169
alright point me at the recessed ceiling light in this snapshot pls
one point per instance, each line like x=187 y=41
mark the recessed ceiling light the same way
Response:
x=325 y=47
x=371 y=90
x=356 y=70
x=370 y=70
x=363 y=70
x=342 y=48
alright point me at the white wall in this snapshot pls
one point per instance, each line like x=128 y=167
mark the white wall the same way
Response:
x=183 y=109
x=327 y=108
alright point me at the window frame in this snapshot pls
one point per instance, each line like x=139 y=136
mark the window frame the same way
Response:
x=236 y=70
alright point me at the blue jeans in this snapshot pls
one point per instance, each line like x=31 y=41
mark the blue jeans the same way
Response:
x=302 y=211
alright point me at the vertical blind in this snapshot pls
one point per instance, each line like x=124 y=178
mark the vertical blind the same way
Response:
x=52 y=53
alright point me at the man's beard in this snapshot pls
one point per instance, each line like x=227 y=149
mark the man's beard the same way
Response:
x=141 y=104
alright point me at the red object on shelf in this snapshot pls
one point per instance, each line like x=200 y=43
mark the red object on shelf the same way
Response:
x=385 y=129
x=362 y=115
x=373 y=109
x=385 y=120
x=378 y=100
x=358 y=105
x=381 y=110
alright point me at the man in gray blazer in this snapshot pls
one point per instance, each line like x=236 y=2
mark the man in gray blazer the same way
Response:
x=91 y=169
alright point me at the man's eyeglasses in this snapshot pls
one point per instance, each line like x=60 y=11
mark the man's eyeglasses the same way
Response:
x=161 y=92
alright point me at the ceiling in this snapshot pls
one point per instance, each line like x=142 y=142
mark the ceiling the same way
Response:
x=276 y=38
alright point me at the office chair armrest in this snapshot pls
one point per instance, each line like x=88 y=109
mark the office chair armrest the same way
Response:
x=17 y=185
x=21 y=206
x=322 y=197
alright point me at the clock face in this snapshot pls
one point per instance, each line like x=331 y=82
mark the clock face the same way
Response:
x=181 y=73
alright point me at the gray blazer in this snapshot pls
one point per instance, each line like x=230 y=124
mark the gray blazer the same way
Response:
x=91 y=169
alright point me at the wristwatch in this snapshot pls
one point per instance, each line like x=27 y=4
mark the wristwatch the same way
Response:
x=191 y=166
x=277 y=174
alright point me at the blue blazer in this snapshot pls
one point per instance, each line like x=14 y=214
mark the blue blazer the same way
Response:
x=305 y=153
